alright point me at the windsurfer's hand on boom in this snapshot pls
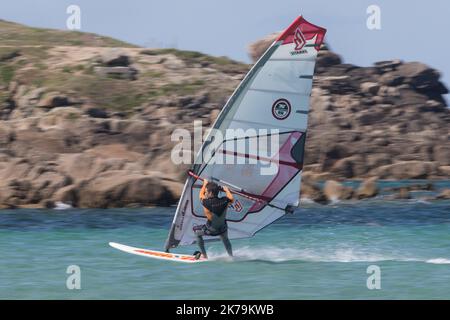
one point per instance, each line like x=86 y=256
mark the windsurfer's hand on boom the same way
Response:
x=228 y=193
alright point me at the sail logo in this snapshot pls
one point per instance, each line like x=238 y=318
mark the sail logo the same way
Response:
x=183 y=213
x=281 y=109
x=299 y=39
x=236 y=206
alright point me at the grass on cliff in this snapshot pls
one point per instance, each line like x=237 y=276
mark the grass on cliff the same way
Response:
x=114 y=94
x=81 y=81
x=184 y=88
x=191 y=58
x=15 y=34
x=25 y=54
x=25 y=63
x=6 y=74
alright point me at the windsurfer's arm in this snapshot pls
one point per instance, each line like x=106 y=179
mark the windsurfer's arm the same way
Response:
x=203 y=189
x=208 y=213
x=228 y=194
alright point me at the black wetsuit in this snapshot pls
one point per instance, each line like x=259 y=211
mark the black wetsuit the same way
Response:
x=217 y=226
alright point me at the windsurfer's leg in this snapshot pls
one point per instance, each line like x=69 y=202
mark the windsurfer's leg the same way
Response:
x=199 y=233
x=227 y=243
x=201 y=245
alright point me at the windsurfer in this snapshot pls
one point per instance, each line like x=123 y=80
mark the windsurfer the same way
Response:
x=215 y=209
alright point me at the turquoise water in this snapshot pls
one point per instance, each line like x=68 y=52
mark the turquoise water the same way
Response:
x=321 y=252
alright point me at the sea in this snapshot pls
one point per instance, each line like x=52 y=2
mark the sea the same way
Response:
x=372 y=249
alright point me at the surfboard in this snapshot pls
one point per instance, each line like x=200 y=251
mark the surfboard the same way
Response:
x=160 y=255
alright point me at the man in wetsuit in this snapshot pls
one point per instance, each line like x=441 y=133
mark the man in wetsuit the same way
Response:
x=215 y=210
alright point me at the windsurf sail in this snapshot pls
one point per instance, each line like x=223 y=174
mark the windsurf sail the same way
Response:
x=273 y=97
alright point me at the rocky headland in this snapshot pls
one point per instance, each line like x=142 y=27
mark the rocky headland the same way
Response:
x=87 y=120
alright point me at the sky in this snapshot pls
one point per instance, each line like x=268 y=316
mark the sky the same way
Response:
x=410 y=30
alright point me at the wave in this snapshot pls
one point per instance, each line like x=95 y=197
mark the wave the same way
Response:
x=276 y=254
x=306 y=200
x=438 y=261
x=62 y=206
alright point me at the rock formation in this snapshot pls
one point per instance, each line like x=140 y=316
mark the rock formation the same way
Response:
x=91 y=125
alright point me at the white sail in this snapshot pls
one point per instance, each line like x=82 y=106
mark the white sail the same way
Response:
x=274 y=95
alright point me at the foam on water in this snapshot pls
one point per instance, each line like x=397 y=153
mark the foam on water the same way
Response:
x=277 y=254
x=62 y=206
x=438 y=261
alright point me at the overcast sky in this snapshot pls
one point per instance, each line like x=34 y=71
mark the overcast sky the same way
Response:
x=410 y=30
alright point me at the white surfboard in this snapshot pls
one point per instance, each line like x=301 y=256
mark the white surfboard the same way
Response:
x=186 y=258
